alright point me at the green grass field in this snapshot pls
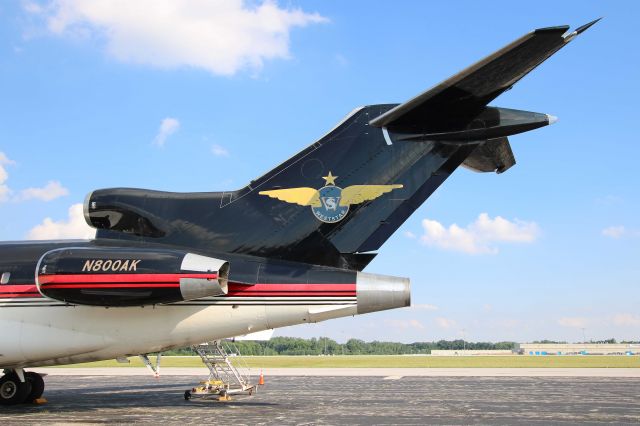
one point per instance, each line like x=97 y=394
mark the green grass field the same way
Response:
x=398 y=361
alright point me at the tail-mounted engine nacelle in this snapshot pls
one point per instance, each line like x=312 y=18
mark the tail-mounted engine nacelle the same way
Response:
x=123 y=210
x=129 y=277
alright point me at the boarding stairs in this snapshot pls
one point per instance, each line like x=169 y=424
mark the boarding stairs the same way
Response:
x=217 y=359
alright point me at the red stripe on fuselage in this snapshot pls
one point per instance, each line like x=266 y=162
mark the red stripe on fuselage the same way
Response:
x=16 y=295
x=235 y=289
x=114 y=285
x=118 y=278
x=18 y=288
x=10 y=291
x=291 y=290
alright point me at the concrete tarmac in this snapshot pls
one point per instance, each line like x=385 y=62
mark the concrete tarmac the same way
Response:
x=405 y=372
x=391 y=399
x=368 y=372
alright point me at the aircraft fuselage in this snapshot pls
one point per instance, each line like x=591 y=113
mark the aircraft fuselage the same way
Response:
x=261 y=294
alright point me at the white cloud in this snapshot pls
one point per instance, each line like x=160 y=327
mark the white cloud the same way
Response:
x=405 y=324
x=5 y=191
x=410 y=235
x=219 y=151
x=424 y=307
x=74 y=227
x=220 y=36
x=627 y=320
x=614 y=231
x=574 y=322
x=32 y=7
x=445 y=322
x=52 y=190
x=478 y=237
x=168 y=126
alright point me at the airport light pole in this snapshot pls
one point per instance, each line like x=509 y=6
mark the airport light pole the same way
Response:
x=464 y=342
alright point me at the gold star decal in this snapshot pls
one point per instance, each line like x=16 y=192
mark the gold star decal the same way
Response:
x=330 y=179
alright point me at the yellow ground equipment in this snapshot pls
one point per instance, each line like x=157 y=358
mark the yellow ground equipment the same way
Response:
x=225 y=379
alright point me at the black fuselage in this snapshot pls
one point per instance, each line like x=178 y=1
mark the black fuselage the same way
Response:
x=248 y=275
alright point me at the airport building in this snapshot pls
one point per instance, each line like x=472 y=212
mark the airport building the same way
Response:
x=550 y=349
x=579 y=348
x=470 y=352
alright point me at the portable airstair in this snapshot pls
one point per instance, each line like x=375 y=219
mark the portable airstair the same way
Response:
x=224 y=379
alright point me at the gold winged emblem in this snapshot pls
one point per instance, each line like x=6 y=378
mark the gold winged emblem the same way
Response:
x=330 y=203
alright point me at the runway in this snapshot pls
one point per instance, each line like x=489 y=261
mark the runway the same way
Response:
x=339 y=400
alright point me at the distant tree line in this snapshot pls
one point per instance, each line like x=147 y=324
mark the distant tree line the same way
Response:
x=326 y=346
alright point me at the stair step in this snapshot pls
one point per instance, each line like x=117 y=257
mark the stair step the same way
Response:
x=216 y=358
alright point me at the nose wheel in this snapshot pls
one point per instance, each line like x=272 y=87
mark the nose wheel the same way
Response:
x=15 y=391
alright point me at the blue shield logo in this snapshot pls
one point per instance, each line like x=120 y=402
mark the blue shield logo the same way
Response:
x=330 y=210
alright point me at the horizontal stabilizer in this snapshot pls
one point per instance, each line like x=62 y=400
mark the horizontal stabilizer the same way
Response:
x=464 y=95
x=494 y=155
x=491 y=123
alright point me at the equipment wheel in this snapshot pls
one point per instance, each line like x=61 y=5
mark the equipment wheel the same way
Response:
x=187 y=395
x=12 y=390
x=37 y=385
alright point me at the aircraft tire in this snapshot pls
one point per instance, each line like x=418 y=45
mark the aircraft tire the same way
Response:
x=37 y=385
x=12 y=390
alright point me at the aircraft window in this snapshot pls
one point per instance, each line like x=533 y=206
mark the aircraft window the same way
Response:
x=5 y=277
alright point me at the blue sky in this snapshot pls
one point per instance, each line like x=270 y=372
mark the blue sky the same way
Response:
x=93 y=96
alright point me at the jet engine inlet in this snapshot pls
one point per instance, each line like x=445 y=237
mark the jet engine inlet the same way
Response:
x=381 y=292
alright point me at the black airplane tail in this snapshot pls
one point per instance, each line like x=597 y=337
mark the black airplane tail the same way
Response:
x=336 y=202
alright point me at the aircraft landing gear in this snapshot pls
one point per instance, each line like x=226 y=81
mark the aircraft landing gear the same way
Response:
x=13 y=390
x=37 y=385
